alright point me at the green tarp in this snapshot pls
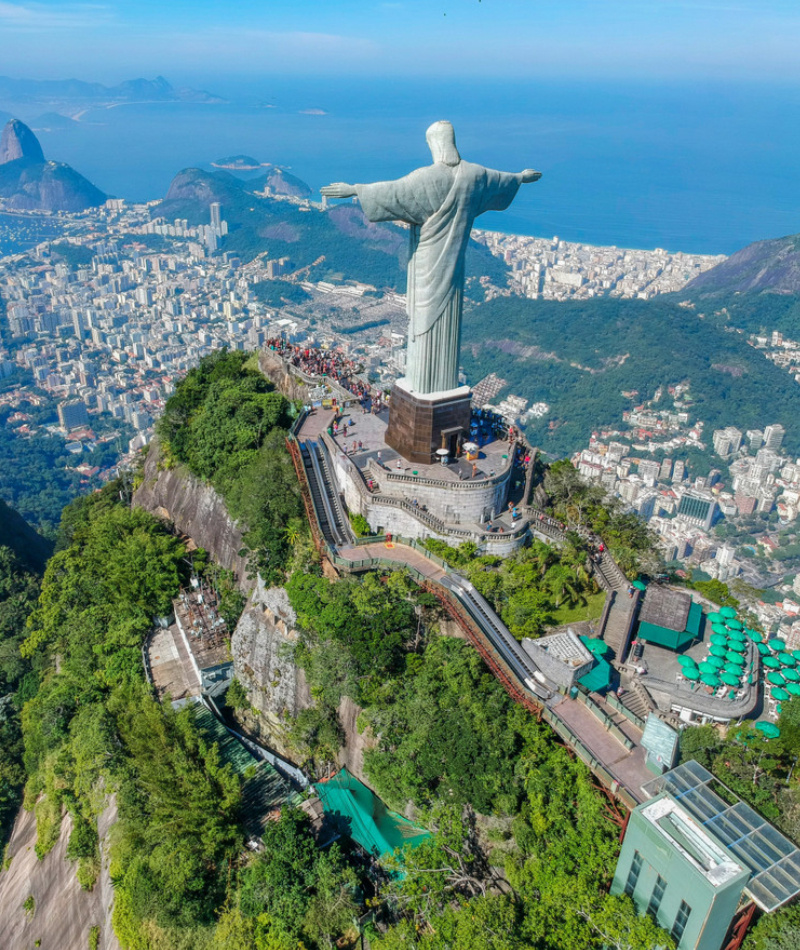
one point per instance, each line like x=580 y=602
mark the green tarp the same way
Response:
x=599 y=676
x=371 y=824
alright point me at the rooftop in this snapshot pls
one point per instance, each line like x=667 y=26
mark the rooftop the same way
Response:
x=773 y=861
x=665 y=608
x=702 y=851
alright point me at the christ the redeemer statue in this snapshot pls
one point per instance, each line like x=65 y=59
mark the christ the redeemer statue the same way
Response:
x=440 y=202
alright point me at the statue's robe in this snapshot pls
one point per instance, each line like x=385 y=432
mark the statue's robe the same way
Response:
x=440 y=202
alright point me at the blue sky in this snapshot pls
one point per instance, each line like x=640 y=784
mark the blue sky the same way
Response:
x=110 y=41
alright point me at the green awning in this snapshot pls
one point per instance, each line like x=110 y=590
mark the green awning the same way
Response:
x=663 y=636
x=371 y=824
x=599 y=676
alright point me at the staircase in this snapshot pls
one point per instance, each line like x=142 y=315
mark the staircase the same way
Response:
x=636 y=699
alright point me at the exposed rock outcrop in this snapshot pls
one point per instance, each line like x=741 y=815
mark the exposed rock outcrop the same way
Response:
x=274 y=368
x=196 y=510
x=261 y=646
x=29 y=183
x=17 y=141
x=63 y=913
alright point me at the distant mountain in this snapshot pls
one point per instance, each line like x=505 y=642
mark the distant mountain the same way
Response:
x=341 y=240
x=29 y=546
x=75 y=90
x=771 y=266
x=238 y=163
x=17 y=141
x=30 y=183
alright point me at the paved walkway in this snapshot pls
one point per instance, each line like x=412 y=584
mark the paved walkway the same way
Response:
x=626 y=766
x=171 y=665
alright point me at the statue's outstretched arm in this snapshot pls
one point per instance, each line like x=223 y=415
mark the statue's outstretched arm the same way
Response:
x=529 y=175
x=339 y=189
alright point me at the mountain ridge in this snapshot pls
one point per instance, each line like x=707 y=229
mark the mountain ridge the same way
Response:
x=28 y=182
x=769 y=266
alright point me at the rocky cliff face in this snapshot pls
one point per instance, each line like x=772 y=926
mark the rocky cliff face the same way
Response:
x=29 y=183
x=17 y=141
x=264 y=638
x=196 y=510
x=273 y=367
x=261 y=646
x=64 y=914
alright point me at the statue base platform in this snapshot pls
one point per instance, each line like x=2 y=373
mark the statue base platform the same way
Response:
x=420 y=425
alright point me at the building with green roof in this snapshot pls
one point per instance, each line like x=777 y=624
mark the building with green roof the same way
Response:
x=669 y=618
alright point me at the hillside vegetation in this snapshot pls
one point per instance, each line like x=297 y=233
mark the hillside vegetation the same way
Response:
x=353 y=247
x=580 y=356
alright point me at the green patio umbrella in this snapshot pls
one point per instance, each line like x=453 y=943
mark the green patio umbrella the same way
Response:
x=793 y=688
x=738 y=646
x=762 y=648
x=685 y=660
x=717 y=651
x=719 y=639
x=777 y=645
x=719 y=628
x=734 y=668
x=770 y=730
x=640 y=585
x=771 y=662
x=734 y=624
x=796 y=654
x=728 y=678
x=732 y=657
x=691 y=672
x=790 y=675
x=707 y=667
x=753 y=635
x=779 y=693
x=787 y=659
x=716 y=617
x=727 y=612
x=716 y=662
x=710 y=679
x=775 y=678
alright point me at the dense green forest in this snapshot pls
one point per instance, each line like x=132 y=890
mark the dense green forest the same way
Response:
x=227 y=424
x=579 y=357
x=491 y=782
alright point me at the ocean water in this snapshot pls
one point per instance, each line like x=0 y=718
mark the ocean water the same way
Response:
x=699 y=168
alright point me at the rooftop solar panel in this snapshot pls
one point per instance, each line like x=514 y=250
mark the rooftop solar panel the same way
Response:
x=773 y=861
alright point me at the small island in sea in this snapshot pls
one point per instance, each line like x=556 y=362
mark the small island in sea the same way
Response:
x=240 y=163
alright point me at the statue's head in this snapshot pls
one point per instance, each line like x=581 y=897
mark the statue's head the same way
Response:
x=442 y=143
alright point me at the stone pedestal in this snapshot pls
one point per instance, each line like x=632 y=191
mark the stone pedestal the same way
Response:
x=419 y=425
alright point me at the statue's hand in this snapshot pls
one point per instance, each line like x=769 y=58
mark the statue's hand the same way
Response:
x=529 y=175
x=338 y=189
